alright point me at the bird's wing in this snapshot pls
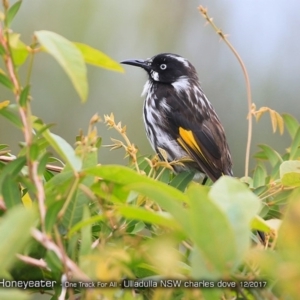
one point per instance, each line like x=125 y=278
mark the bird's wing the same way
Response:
x=201 y=135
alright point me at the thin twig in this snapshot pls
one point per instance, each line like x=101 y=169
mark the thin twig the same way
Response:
x=40 y=263
x=203 y=11
x=52 y=168
x=50 y=245
x=130 y=148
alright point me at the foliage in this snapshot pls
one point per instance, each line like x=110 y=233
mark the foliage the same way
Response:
x=77 y=223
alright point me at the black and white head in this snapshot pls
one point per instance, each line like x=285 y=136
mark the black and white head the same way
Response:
x=165 y=68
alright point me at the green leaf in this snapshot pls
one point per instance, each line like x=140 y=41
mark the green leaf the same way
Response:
x=24 y=96
x=3 y=146
x=127 y=177
x=210 y=230
x=260 y=190
x=58 y=186
x=281 y=198
x=291 y=179
x=181 y=180
x=259 y=176
x=260 y=224
x=12 y=169
x=19 y=50
x=275 y=171
x=240 y=205
x=6 y=81
x=138 y=227
x=11 y=192
x=53 y=262
x=34 y=152
x=69 y=57
x=143 y=164
x=64 y=150
x=74 y=210
x=97 y=58
x=271 y=155
x=164 y=176
x=51 y=214
x=14 y=234
x=155 y=218
x=291 y=124
x=61 y=147
x=295 y=147
x=83 y=223
x=118 y=194
x=47 y=175
x=290 y=173
x=86 y=234
x=166 y=196
x=12 y=11
x=11 y=116
x=43 y=163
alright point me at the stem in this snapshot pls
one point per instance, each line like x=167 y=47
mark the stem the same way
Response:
x=40 y=263
x=130 y=148
x=160 y=173
x=40 y=193
x=203 y=11
x=25 y=115
x=69 y=198
x=30 y=67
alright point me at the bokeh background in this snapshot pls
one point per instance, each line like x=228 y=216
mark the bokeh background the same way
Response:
x=265 y=33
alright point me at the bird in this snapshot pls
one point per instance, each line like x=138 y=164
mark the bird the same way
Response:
x=179 y=118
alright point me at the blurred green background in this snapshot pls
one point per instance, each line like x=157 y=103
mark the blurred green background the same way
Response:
x=265 y=33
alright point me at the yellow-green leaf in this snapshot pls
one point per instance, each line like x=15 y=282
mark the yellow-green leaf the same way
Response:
x=290 y=173
x=291 y=179
x=69 y=57
x=4 y=104
x=97 y=58
x=18 y=48
x=259 y=223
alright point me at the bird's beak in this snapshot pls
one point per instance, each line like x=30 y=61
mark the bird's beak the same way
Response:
x=138 y=63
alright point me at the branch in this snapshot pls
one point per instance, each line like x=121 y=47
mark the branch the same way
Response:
x=40 y=263
x=51 y=168
x=209 y=20
x=50 y=245
x=25 y=116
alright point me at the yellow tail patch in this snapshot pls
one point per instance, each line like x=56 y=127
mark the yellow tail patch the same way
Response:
x=188 y=138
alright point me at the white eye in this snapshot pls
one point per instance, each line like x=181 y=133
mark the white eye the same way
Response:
x=163 y=66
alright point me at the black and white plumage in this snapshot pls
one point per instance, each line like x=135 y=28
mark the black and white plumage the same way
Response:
x=179 y=118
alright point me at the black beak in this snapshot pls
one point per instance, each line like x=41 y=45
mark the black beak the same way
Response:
x=138 y=63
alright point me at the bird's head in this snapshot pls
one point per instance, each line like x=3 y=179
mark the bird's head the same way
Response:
x=165 y=67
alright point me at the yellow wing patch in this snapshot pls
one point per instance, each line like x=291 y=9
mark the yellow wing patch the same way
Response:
x=187 y=138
